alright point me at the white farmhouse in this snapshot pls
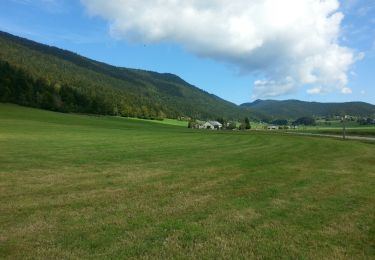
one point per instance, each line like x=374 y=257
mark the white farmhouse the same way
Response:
x=213 y=125
x=272 y=127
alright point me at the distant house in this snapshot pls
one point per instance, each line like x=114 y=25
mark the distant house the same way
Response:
x=272 y=127
x=213 y=125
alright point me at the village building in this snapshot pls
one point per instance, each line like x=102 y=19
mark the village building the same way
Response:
x=213 y=125
x=272 y=127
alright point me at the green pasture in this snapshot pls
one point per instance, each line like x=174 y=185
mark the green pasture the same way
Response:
x=74 y=186
x=356 y=131
x=337 y=124
x=165 y=121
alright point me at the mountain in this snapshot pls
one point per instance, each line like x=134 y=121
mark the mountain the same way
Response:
x=292 y=109
x=34 y=74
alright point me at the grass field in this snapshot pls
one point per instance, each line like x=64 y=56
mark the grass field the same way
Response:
x=356 y=131
x=337 y=124
x=165 y=121
x=100 y=187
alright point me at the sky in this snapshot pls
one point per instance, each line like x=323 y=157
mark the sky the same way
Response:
x=239 y=50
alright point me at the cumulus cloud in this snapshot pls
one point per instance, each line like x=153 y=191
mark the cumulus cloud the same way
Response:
x=315 y=90
x=346 y=91
x=287 y=44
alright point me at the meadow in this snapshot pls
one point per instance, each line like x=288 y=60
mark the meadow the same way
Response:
x=365 y=131
x=334 y=128
x=356 y=131
x=76 y=186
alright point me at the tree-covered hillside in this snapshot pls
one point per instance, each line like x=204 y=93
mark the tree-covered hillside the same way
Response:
x=292 y=109
x=38 y=75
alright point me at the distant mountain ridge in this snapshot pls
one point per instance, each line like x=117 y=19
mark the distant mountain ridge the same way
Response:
x=292 y=109
x=105 y=89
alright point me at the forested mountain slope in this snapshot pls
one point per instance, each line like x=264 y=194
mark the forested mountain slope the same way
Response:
x=38 y=75
x=292 y=109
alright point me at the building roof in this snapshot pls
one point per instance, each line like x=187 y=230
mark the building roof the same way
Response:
x=215 y=123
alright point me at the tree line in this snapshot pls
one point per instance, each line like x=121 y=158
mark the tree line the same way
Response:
x=19 y=87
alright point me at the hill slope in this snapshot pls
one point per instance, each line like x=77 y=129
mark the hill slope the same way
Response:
x=38 y=75
x=294 y=108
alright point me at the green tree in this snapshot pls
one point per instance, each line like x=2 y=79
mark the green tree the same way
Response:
x=231 y=125
x=247 y=124
x=304 y=121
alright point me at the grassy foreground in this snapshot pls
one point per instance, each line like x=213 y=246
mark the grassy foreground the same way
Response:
x=99 y=187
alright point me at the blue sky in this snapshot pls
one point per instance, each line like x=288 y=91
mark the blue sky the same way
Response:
x=232 y=69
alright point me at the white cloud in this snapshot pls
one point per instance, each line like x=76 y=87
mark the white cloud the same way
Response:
x=346 y=91
x=287 y=44
x=314 y=91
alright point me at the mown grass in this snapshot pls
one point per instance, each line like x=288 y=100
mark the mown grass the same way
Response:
x=165 y=121
x=358 y=131
x=355 y=131
x=101 y=187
